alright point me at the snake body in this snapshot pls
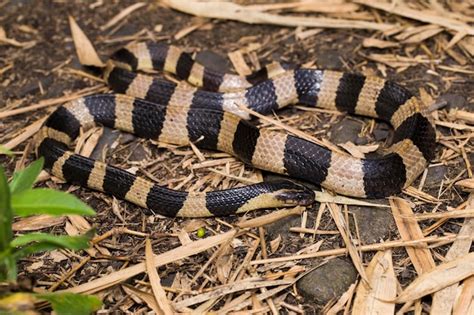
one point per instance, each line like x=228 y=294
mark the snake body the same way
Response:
x=210 y=115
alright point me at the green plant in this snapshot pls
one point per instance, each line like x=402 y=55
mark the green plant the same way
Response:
x=19 y=198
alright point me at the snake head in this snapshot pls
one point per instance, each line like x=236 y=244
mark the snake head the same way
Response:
x=292 y=194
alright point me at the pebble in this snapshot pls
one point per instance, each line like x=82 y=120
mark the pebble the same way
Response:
x=327 y=282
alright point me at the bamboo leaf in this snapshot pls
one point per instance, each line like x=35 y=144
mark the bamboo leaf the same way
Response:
x=48 y=201
x=24 y=179
x=71 y=304
x=7 y=264
x=438 y=278
x=64 y=241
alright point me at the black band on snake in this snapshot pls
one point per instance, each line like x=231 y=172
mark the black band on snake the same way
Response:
x=210 y=116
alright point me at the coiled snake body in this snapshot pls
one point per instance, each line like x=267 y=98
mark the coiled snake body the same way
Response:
x=210 y=115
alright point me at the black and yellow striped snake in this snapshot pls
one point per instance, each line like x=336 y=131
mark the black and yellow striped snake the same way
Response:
x=209 y=114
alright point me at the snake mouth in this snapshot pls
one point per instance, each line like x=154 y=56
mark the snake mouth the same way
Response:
x=301 y=196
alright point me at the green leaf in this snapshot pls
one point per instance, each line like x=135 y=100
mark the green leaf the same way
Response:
x=64 y=241
x=33 y=248
x=24 y=179
x=72 y=304
x=6 y=215
x=48 y=201
x=5 y=151
x=8 y=263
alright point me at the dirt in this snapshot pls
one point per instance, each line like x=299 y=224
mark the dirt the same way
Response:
x=41 y=72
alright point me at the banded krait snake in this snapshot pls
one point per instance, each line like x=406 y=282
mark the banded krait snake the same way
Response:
x=209 y=115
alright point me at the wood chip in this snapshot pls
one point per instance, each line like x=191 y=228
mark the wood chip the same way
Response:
x=378 y=43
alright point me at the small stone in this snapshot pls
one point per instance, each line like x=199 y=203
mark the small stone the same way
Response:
x=381 y=131
x=374 y=224
x=282 y=227
x=347 y=130
x=435 y=175
x=138 y=154
x=168 y=280
x=327 y=282
x=126 y=138
x=33 y=87
x=213 y=61
x=454 y=101
x=107 y=139
x=329 y=61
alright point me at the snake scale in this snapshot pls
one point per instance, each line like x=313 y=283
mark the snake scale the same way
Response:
x=209 y=113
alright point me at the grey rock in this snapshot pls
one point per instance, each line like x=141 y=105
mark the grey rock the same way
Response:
x=381 y=131
x=214 y=61
x=329 y=61
x=346 y=130
x=435 y=175
x=168 y=279
x=374 y=224
x=139 y=153
x=454 y=101
x=107 y=139
x=282 y=227
x=33 y=87
x=327 y=282
x=126 y=138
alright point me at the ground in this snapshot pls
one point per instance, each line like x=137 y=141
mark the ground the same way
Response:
x=44 y=66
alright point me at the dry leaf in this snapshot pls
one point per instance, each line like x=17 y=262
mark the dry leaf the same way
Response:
x=247 y=14
x=444 y=300
x=322 y=196
x=127 y=11
x=160 y=295
x=378 y=43
x=358 y=151
x=224 y=263
x=427 y=16
x=275 y=243
x=343 y=228
x=37 y=222
x=465 y=303
x=237 y=59
x=466 y=184
x=84 y=48
x=382 y=287
x=148 y=298
x=339 y=306
x=439 y=278
x=410 y=230
x=4 y=40
x=159 y=260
